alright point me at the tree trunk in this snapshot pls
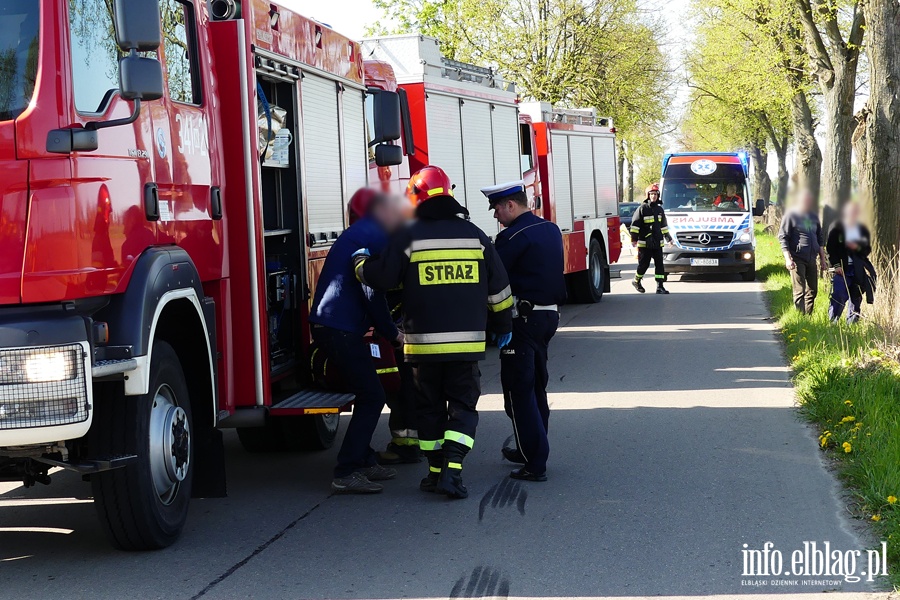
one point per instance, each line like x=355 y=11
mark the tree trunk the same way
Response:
x=762 y=183
x=839 y=124
x=807 y=156
x=620 y=161
x=630 y=163
x=882 y=131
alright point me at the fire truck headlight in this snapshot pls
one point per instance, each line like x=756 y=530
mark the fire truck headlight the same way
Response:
x=744 y=238
x=52 y=365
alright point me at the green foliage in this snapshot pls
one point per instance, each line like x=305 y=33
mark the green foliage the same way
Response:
x=849 y=390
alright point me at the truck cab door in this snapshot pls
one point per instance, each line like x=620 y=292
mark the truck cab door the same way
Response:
x=194 y=203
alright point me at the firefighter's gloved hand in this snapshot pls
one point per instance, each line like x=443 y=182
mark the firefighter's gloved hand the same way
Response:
x=503 y=340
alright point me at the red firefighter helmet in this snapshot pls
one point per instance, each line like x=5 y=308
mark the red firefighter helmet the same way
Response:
x=428 y=182
x=360 y=203
x=653 y=187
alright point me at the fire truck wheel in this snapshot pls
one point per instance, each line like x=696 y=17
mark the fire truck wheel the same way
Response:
x=144 y=505
x=588 y=285
x=313 y=432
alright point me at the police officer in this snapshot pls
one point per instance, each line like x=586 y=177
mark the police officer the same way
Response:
x=532 y=252
x=454 y=287
x=650 y=232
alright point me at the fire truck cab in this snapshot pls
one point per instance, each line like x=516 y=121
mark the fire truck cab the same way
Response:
x=174 y=173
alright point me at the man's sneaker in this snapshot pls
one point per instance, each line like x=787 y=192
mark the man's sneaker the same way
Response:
x=661 y=290
x=513 y=455
x=451 y=485
x=355 y=483
x=637 y=285
x=378 y=473
x=526 y=475
x=400 y=455
x=429 y=483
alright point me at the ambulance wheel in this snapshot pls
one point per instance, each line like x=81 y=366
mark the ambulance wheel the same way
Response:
x=588 y=285
x=144 y=505
x=749 y=274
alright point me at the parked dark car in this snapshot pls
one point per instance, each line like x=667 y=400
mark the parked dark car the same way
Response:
x=626 y=210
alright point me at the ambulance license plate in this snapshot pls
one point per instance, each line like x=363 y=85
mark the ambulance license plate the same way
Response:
x=704 y=262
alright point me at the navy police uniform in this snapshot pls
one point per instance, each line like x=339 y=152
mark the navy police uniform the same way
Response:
x=532 y=252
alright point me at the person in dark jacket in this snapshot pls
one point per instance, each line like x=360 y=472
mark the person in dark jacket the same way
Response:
x=343 y=311
x=454 y=288
x=649 y=233
x=802 y=242
x=848 y=248
x=532 y=252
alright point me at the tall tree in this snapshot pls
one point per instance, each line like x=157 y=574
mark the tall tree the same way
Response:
x=834 y=56
x=881 y=126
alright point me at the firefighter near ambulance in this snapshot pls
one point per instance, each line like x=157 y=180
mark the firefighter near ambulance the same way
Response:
x=454 y=289
x=531 y=249
x=649 y=233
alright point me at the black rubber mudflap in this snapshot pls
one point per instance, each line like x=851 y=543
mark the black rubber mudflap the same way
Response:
x=209 y=476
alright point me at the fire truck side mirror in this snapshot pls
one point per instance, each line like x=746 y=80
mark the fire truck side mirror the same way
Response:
x=140 y=78
x=137 y=25
x=386 y=112
x=388 y=155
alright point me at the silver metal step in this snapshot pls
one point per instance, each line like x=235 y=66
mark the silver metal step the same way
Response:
x=105 y=368
x=313 y=402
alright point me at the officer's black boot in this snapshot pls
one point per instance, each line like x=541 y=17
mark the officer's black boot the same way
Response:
x=435 y=465
x=450 y=482
x=659 y=287
x=636 y=282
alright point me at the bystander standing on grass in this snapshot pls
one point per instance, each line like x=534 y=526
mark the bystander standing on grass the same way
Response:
x=802 y=242
x=848 y=247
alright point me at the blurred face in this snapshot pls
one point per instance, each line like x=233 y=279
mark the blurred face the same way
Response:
x=390 y=212
x=731 y=189
x=806 y=201
x=851 y=214
x=654 y=196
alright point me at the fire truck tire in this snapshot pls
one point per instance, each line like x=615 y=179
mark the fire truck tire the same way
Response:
x=144 y=505
x=587 y=286
x=313 y=432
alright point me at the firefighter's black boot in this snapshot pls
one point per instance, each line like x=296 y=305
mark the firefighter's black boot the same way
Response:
x=450 y=482
x=435 y=465
x=636 y=282
x=659 y=287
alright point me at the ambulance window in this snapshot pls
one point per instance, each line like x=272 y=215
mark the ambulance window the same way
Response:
x=179 y=45
x=95 y=55
x=526 y=157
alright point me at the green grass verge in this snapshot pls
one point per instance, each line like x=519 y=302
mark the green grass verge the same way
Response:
x=849 y=390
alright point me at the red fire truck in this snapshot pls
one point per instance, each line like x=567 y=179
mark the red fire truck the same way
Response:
x=171 y=187
x=468 y=120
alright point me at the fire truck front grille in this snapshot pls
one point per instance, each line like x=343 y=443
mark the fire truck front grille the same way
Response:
x=41 y=387
x=705 y=239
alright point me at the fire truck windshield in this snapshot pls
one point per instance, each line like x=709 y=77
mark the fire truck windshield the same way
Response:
x=18 y=55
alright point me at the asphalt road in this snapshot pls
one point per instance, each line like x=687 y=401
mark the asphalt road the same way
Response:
x=674 y=443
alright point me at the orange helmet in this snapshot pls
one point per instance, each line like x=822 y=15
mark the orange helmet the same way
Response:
x=360 y=203
x=428 y=182
x=653 y=187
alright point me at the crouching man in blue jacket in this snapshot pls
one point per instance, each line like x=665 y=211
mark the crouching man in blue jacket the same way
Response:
x=343 y=311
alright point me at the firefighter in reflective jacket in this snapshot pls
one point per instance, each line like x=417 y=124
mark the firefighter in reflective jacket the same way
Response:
x=454 y=289
x=650 y=232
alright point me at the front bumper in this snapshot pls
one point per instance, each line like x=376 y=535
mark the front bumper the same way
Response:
x=45 y=378
x=737 y=259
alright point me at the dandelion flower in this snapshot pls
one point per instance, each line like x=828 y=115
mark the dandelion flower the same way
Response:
x=848 y=402
x=847 y=447
x=848 y=419
x=892 y=499
x=876 y=518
